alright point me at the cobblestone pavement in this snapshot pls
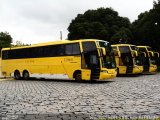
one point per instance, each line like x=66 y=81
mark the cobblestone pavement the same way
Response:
x=49 y=99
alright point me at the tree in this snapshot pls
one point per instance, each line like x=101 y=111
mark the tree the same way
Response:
x=146 y=29
x=5 y=39
x=19 y=44
x=124 y=35
x=103 y=23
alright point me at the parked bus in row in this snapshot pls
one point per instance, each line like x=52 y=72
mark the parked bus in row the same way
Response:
x=128 y=60
x=73 y=60
x=150 y=61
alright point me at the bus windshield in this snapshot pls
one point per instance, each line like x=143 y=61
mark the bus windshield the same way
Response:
x=134 y=48
x=149 y=48
x=138 y=59
x=124 y=49
x=108 y=61
x=153 y=60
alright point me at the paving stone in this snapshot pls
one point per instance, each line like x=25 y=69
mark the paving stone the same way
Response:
x=127 y=95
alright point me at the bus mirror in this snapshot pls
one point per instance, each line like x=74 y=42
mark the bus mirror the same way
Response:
x=150 y=54
x=136 y=53
x=104 y=51
x=156 y=54
x=119 y=54
x=144 y=54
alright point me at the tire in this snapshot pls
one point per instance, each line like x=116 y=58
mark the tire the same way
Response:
x=25 y=75
x=78 y=77
x=117 y=72
x=17 y=75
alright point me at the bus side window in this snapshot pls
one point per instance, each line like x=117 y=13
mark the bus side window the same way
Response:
x=60 y=50
x=72 y=49
x=76 y=49
x=5 y=54
x=68 y=49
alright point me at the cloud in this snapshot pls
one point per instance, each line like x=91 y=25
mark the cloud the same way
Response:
x=33 y=21
x=131 y=8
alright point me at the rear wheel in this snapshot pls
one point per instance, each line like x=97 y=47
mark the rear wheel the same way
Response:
x=78 y=76
x=25 y=75
x=17 y=75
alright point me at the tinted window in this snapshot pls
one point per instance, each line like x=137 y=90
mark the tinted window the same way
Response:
x=142 y=49
x=76 y=49
x=72 y=49
x=51 y=51
x=60 y=50
x=124 y=49
x=4 y=54
x=68 y=49
x=89 y=46
x=44 y=51
x=106 y=45
x=149 y=48
x=133 y=47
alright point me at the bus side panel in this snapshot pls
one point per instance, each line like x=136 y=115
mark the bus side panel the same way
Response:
x=86 y=74
x=71 y=64
x=7 y=67
x=0 y=67
x=152 y=68
x=122 y=69
x=53 y=67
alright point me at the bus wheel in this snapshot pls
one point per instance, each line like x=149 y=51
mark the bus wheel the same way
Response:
x=25 y=75
x=17 y=75
x=78 y=76
x=117 y=71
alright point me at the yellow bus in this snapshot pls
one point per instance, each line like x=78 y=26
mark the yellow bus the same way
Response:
x=72 y=60
x=0 y=64
x=150 y=61
x=0 y=68
x=128 y=60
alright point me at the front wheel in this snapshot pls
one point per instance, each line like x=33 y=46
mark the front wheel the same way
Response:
x=117 y=72
x=17 y=75
x=78 y=77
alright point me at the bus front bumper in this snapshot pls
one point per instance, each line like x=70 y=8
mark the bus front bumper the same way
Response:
x=137 y=69
x=105 y=76
x=153 y=69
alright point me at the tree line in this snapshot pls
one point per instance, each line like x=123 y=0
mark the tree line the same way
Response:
x=106 y=24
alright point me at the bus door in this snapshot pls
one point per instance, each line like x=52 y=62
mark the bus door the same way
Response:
x=127 y=61
x=92 y=62
x=146 y=63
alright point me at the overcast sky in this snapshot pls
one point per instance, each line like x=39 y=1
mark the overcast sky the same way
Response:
x=35 y=21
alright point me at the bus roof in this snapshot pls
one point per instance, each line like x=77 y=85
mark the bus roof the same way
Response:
x=123 y=45
x=52 y=43
x=143 y=46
